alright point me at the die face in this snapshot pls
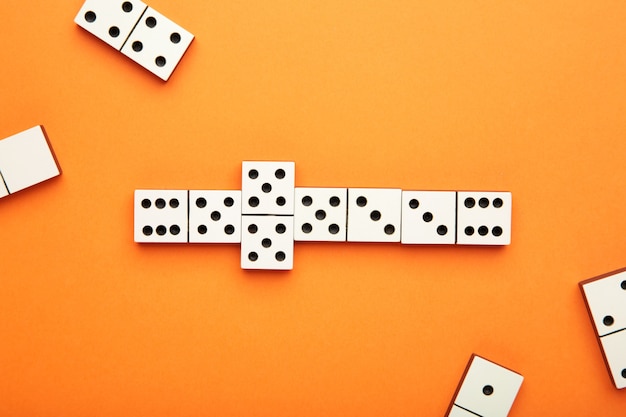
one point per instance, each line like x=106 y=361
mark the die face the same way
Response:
x=374 y=214
x=488 y=389
x=26 y=159
x=320 y=214
x=267 y=187
x=267 y=242
x=161 y=216
x=428 y=217
x=614 y=349
x=483 y=218
x=214 y=216
x=606 y=300
x=110 y=20
x=157 y=44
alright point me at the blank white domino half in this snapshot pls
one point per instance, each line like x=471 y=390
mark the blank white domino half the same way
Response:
x=486 y=390
x=605 y=298
x=161 y=216
x=483 y=218
x=26 y=159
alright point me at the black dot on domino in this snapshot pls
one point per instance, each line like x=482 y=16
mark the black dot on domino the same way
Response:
x=623 y=373
x=497 y=202
x=161 y=230
x=623 y=285
x=483 y=230
x=320 y=214
x=175 y=37
x=252 y=229
x=147 y=230
x=469 y=230
x=253 y=174
x=414 y=203
x=137 y=46
x=334 y=201
x=202 y=229
x=487 y=390
x=215 y=216
x=375 y=215
x=307 y=228
x=608 y=320
x=201 y=202
x=497 y=231
x=159 y=203
x=174 y=203
x=280 y=256
x=333 y=229
x=151 y=22
x=281 y=201
x=174 y=230
x=127 y=6
x=253 y=256
x=361 y=201
x=307 y=200
x=469 y=202
x=442 y=230
x=228 y=202
x=114 y=31
x=160 y=61
x=229 y=229
x=390 y=229
x=280 y=174
x=90 y=17
x=145 y=203
x=427 y=217
x=483 y=202
x=267 y=187
x=266 y=243
x=253 y=201
x=281 y=228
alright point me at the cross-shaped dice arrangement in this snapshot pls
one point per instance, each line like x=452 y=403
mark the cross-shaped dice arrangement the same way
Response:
x=269 y=213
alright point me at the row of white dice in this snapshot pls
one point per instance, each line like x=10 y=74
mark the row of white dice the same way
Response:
x=137 y=31
x=331 y=214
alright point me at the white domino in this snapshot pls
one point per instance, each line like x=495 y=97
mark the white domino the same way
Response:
x=267 y=242
x=483 y=218
x=214 y=216
x=487 y=390
x=267 y=187
x=161 y=216
x=26 y=159
x=157 y=44
x=605 y=297
x=374 y=214
x=428 y=217
x=112 y=21
x=320 y=214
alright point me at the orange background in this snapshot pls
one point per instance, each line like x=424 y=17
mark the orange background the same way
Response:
x=490 y=95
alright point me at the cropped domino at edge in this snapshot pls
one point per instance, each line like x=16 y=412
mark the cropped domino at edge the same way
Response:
x=137 y=31
x=26 y=159
x=605 y=299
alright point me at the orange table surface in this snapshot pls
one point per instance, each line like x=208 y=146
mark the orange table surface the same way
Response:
x=528 y=97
